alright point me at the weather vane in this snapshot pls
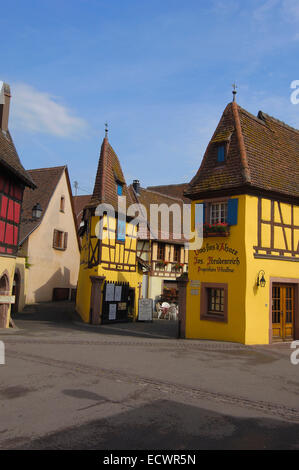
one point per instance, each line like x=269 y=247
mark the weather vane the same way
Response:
x=234 y=85
x=106 y=129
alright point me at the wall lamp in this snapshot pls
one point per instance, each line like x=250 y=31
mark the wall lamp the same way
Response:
x=36 y=211
x=261 y=281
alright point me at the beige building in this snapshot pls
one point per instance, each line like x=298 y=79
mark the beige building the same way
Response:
x=48 y=242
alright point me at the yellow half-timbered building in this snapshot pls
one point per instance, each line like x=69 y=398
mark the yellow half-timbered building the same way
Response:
x=109 y=282
x=243 y=282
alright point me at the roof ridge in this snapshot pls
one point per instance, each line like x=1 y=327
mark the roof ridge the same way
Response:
x=242 y=148
x=47 y=168
x=278 y=121
x=163 y=194
x=166 y=185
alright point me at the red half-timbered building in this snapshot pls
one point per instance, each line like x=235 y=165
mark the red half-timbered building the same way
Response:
x=13 y=180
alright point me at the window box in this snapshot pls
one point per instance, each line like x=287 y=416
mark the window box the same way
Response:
x=161 y=264
x=177 y=267
x=220 y=229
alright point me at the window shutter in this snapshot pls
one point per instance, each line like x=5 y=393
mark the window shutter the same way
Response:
x=65 y=240
x=121 y=230
x=232 y=211
x=54 y=238
x=199 y=211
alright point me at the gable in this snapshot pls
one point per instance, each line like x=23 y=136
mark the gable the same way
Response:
x=261 y=153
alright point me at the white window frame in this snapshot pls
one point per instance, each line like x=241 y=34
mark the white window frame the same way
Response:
x=218 y=212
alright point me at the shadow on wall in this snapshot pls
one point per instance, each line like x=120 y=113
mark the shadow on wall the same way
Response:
x=60 y=279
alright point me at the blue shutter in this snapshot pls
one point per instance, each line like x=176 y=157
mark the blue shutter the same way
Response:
x=119 y=189
x=121 y=230
x=232 y=211
x=198 y=213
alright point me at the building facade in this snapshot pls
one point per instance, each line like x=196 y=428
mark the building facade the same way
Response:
x=164 y=257
x=13 y=180
x=109 y=284
x=243 y=283
x=48 y=240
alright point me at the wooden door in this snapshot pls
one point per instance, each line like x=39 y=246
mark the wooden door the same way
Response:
x=96 y=300
x=283 y=306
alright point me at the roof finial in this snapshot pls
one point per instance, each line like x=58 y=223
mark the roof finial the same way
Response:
x=234 y=85
x=106 y=130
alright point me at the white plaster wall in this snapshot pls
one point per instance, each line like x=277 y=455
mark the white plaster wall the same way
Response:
x=50 y=267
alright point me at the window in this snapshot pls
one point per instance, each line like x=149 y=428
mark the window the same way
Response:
x=119 y=189
x=218 y=213
x=59 y=240
x=216 y=301
x=213 y=302
x=161 y=251
x=220 y=153
x=177 y=254
x=62 y=203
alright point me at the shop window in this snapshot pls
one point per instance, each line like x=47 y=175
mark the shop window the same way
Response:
x=60 y=240
x=213 y=305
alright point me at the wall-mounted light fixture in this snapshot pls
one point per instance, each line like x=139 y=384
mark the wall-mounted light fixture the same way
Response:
x=37 y=211
x=261 y=281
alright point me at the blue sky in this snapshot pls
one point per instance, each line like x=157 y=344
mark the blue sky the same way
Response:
x=159 y=72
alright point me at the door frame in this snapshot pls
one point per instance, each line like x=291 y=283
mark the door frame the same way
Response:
x=295 y=283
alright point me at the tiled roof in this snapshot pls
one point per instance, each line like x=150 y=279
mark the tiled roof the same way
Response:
x=263 y=154
x=146 y=197
x=10 y=159
x=46 y=180
x=175 y=190
x=108 y=174
x=79 y=203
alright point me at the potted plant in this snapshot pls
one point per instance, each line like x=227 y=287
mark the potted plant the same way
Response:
x=177 y=266
x=161 y=264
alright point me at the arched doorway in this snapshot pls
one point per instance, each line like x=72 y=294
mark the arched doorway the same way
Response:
x=16 y=291
x=4 y=290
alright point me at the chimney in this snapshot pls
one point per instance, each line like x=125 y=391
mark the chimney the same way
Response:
x=136 y=186
x=4 y=106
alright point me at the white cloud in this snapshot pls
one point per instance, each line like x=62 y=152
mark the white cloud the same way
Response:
x=39 y=112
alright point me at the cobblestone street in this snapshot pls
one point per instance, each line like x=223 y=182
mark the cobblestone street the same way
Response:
x=66 y=385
